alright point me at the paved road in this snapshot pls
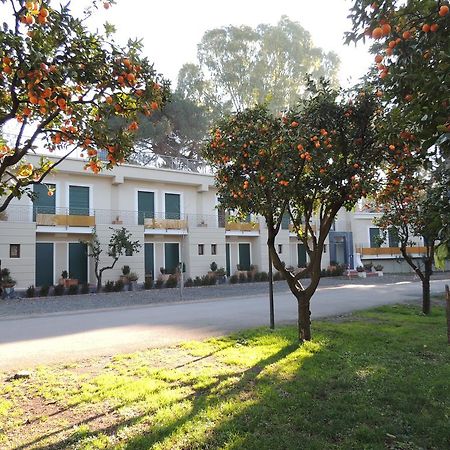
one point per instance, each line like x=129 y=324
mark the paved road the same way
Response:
x=68 y=336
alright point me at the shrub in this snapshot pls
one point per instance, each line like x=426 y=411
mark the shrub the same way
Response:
x=84 y=288
x=250 y=276
x=125 y=270
x=278 y=276
x=118 y=286
x=109 y=286
x=264 y=276
x=257 y=276
x=148 y=283
x=234 y=279
x=171 y=282
x=43 y=292
x=197 y=281
x=58 y=290
x=378 y=267
x=31 y=291
x=188 y=283
x=73 y=289
x=337 y=271
x=132 y=276
x=360 y=269
x=242 y=278
x=64 y=274
x=159 y=283
x=213 y=266
x=368 y=267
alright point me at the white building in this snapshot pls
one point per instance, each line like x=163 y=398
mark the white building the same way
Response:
x=172 y=211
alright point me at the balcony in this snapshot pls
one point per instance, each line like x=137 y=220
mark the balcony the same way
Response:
x=388 y=252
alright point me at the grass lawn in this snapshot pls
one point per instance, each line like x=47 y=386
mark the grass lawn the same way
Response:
x=379 y=379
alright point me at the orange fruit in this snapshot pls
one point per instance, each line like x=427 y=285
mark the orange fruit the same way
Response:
x=386 y=29
x=408 y=97
x=378 y=59
x=392 y=44
x=377 y=33
x=434 y=27
x=425 y=28
x=443 y=10
x=44 y=12
x=406 y=35
x=389 y=51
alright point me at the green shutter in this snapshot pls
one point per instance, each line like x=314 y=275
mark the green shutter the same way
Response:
x=78 y=200
x=171 y=257
x=78 y=261
x=42 y=202
x=285 y=221
x=173 y=209
x=149 y=260
x=244 y=256
x=393 y=237
x=44 y=264
x=146 y=206
x=374 y=234
x=301 y=255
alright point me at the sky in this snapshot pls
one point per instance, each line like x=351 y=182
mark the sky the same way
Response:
x=171 y=30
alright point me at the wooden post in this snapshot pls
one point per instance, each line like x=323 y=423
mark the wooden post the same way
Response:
x=447 y=298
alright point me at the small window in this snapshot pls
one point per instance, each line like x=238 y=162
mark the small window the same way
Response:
x=280 y=248
x=201 y=249
x=213 y=249
x=14 y=250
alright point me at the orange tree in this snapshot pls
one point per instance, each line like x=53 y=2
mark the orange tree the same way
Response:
x=60 y=85
x=308 y=163
x=415 y=204
x=411 y=52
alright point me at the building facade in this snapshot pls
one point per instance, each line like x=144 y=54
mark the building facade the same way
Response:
x=173 y=212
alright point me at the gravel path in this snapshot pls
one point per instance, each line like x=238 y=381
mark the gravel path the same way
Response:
x=45 y=305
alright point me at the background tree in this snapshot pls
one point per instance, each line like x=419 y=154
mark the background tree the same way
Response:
x=241 y=66
x=309 y=163
x=59 y=85
x=120 y=244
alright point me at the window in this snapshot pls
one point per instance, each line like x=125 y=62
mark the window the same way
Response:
x=78 y=201
x=201 y=249
x=14 y=250
x=394 y=240
x=280 y=248
x=213 y=249
x=173 y=206
x=146 y=206
x=44 y=199
x=285 y=221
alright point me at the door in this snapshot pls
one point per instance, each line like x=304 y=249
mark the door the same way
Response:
x=149 y=259
x=78 y=266
x=171 y=257
x=78 y=200
x=244 y=256
x=42 y=202
x=44 y=264
x=301 y=255
x=146 y=206
x=172 y=206
x=227 y=259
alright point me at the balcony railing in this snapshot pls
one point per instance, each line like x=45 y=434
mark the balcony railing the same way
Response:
x=388 y=251
x=63 y=217
x=242 y=226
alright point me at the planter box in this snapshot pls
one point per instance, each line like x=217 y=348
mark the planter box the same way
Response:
x=380 y=273
x=66 y=282
x=362 y=274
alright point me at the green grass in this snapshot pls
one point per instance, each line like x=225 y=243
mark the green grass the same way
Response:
x=375 y=380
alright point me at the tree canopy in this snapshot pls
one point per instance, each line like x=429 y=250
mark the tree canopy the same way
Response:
x=239 y=67
x=59 y=85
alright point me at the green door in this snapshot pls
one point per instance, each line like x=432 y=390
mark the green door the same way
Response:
x=78 y=200
x=44 y=264
x=301 y=255
x=173 y=209
x=227 y=259
x=78 y=266
x=42 y=202
x=171 y=257
x=244 y=256
x=149 y=260
x=146 y=206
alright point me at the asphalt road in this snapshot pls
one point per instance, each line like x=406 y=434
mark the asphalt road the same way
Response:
x=59 y=337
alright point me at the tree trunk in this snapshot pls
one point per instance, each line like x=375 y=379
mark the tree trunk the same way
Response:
x=99 y=282
x=304 y=318
x=426 y=300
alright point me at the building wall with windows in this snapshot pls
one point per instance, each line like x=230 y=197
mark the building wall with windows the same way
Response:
x=174 y=216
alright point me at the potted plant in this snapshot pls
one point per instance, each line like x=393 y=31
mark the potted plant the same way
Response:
x=379 y=270
x=212 y=272
x=125 y=274
x=7 y=284
x=368 y=267
x=132 y=281
x=66 y=281
x=221 y=275
x=361 y=272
